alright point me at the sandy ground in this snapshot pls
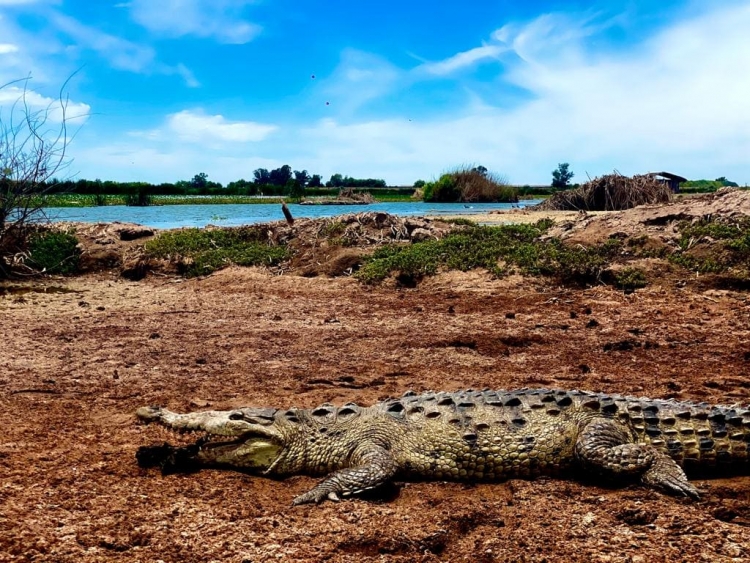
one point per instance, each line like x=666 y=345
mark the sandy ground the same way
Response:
x=518 y=216
x=76 y=361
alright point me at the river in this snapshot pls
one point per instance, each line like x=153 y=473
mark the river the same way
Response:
x=175 y=216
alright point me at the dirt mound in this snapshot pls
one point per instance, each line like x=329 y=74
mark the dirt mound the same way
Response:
x=335 y=246
x=660 y=221
x=611 y=192
x=330 y=246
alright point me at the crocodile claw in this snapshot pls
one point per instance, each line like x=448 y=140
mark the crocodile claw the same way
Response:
x=149 y=414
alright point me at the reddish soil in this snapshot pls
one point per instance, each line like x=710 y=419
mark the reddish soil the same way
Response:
x=75 y=365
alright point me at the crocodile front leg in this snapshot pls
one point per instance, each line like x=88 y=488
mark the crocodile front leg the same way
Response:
x=606 y=446
x=370 y=466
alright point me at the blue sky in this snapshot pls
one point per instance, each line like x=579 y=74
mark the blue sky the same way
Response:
x=164 y=89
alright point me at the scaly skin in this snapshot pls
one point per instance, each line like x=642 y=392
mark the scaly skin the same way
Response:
x=468 y=435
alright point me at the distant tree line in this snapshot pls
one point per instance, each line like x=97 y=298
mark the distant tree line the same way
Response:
x=282 y=181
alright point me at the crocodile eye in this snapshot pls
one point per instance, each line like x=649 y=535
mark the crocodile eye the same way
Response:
x=236 y=416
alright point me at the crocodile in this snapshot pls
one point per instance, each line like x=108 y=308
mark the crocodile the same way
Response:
x=467 y=436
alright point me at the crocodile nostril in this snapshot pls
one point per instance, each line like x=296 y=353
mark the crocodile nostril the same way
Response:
x=236 y=416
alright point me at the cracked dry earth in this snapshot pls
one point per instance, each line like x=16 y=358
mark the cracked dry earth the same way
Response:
x=75 y=365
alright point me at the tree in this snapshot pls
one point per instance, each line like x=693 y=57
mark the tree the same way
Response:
x=302 y=178
x=199 y=181
x=280 y=176
x=336 y=181
x=261 y=176
x=33 y=145
x=481 y=169
x=419 y=184
x=561 y=176
x=316 y=181
x=726 y=183
x=295 y=189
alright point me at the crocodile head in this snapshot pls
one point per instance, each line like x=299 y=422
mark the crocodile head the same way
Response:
x=247 y=438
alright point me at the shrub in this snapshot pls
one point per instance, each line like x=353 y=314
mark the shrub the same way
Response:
x=54 y=252
x=469 y=185
x=200 y=252
x=630 y=279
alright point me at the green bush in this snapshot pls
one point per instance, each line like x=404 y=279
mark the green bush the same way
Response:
x=443 y=190
x=630 y=279
x=54 y=252
x=729 y=240
x=497 y=249
x=200 y=251
x=469 y=184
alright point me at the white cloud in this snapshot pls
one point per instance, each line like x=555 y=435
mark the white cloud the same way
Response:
x=220 y=19
x=462 y=60
x=6 y=48
x=120 y=53
x=19 y=2
x=15 y=102
x=677 y=101
x=197 y=127
x=127 y=162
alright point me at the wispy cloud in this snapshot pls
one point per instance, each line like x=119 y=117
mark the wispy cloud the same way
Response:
x=675 y=101
x=463 y=60
x=360 y=77
x=120 y=53
x=219 y=19
x=6 y=48
x=17 y=102
x=20 y=2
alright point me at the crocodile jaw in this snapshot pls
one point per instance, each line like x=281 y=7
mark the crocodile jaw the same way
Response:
x=252 y=453
x=246 y=439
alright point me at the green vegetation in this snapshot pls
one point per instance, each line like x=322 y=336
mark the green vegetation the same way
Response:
x=54 y=252
x=733 y=251
x=201 y=251
x=469 y=184
x=500 y=250
x=630 y=279
x=139 y=198
x=704 y=186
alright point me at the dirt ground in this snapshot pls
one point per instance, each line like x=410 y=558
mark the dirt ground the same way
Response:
x=80 y=355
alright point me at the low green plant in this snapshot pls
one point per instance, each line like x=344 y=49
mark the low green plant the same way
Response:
x=498 y=250
x=54 y=252
x=630 y=279
x=729 y=240
x=200 y=251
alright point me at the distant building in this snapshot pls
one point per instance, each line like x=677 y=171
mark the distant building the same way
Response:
x=669 y=179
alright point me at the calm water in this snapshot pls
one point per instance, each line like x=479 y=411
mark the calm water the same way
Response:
x=173 y=216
